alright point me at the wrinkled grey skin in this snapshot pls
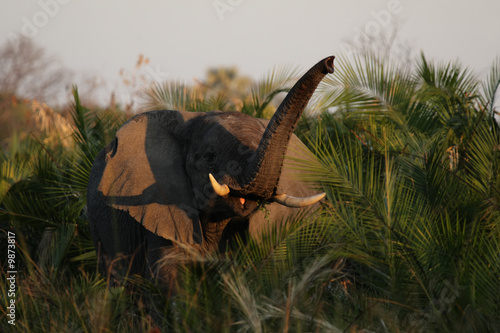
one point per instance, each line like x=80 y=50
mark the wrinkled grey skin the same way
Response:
x=149 y=196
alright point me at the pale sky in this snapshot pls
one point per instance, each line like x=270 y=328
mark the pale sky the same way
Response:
x=183 y=38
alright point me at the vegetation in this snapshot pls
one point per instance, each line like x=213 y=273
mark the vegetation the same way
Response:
x=408 y=239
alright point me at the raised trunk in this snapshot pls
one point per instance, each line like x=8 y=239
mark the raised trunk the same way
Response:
x=262 y=175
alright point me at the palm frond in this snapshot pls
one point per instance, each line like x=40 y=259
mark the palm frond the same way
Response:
x=490 y=87
x=264 y=94
x=174 y=96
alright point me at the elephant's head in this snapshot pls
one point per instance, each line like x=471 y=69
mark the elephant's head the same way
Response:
x=189 y=168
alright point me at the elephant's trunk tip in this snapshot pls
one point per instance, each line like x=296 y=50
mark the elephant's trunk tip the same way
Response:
x=329 y=65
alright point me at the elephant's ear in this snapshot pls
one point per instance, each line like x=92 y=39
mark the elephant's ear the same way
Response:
x=145 y=176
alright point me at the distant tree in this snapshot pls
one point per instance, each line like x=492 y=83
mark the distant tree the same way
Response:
x=27 y=71
x=228 y=81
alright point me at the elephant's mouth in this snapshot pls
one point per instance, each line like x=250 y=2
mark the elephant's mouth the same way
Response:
x=229 y=206
x=284 y=199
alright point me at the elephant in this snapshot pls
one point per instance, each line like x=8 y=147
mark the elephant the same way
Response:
x=176 y=180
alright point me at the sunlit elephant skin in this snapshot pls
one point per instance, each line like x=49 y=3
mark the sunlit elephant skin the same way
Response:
x=172 y=180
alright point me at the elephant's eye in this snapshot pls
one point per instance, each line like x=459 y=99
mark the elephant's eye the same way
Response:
x=209 y=158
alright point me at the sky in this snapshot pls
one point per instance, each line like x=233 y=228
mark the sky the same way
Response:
x=182 y=38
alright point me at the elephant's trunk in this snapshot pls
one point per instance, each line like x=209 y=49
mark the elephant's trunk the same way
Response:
x=262 y=175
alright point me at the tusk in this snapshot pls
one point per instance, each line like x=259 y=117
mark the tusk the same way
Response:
x=294 y=202
x=221 y=190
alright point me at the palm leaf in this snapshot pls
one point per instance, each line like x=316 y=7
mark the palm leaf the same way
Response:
x=490 y=87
